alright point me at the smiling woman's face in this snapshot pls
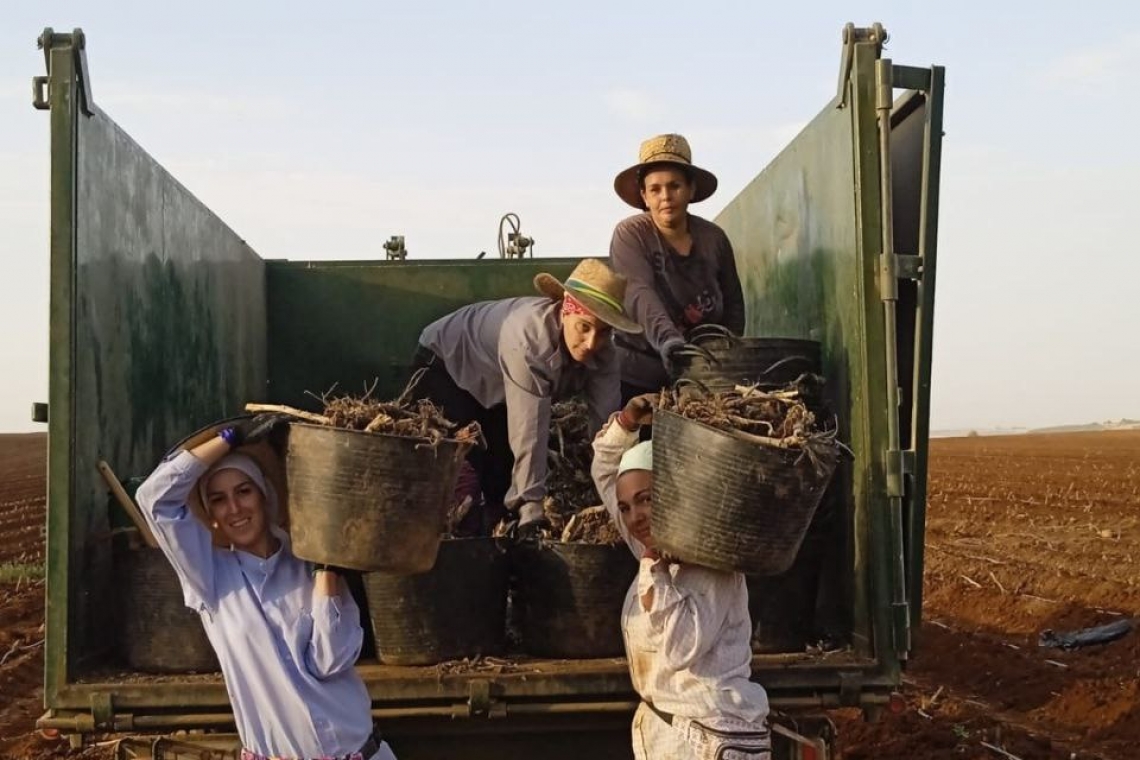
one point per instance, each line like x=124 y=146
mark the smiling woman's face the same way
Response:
x=237 y=505
x=635 y=503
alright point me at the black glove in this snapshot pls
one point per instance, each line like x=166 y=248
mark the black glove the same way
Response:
x=672 y=360
x=254 y=429
x=679 y=355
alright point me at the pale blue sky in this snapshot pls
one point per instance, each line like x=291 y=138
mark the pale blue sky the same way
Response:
x=319 y=129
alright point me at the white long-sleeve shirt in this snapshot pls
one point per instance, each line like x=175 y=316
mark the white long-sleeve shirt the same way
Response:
x=287 y=653
x=690 y=652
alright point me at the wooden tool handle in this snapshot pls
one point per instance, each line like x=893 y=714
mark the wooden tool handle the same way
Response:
x=127 y=504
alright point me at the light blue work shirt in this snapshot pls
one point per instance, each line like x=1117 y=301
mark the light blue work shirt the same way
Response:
x=287 y=653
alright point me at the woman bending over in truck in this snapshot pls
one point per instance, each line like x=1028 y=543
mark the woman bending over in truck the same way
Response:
x=503 y=363
x=287 y=635
x=680 y=267
x=687 y=630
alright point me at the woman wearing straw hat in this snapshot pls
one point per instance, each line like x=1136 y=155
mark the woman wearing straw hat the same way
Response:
x=503 y=363
x=687 y=629
x=287 y=635
x=680 y=267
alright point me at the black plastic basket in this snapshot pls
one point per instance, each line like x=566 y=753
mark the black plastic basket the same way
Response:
x=571 y=597
x=455 y=610
x=771 y=362
x=158 y=633
x=728 y=503
x=368 y=501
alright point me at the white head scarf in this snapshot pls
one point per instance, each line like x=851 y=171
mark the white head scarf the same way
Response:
x=245 y=464
x=640 y=457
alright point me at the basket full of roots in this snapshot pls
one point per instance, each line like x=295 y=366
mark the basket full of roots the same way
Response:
x=738 y=473
x=370 y=482
x=571 y=586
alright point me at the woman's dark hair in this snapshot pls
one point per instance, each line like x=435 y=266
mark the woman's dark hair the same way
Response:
x=650 y=168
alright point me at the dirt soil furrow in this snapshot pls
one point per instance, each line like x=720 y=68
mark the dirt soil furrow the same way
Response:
x=1024 y=534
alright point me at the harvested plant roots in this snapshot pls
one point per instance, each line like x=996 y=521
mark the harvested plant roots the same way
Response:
x=569 y=485
x=591 y=526
x=404 y=417
x=778 y=418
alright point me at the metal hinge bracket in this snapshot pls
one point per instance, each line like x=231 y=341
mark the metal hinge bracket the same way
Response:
x=894 y=267
x=896 y=466
x=853 y=35
x=102 y=711
x=40 y=85
x=850 y=687
x=908 y=266
x=901 y=622
x=40 y=93
x=479 y=701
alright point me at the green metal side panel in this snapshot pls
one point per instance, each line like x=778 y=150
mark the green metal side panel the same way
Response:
x=352 y=323
x=806 y=234
x=157 y=327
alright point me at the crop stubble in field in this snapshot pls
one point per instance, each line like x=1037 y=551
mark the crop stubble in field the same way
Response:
x=1024 y=533
x=22 y=497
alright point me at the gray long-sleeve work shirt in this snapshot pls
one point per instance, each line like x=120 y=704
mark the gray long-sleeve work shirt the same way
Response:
x=669 y=294
x=512 y=352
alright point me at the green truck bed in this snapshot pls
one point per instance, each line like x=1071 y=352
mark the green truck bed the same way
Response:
x=163 y=320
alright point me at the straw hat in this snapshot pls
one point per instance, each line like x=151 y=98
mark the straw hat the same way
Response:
x=267 y=458
x=597 y=287
x=664 y=149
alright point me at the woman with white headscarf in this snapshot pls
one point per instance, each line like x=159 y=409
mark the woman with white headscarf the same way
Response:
x=687 y=629
x=287 y=635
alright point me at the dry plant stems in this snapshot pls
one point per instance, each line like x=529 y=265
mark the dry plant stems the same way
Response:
x=777 y=418
x=418 y=419
x=569 y=485
x=477 y=664
x=592 y=526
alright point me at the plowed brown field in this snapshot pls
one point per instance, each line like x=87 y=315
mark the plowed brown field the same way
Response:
x=1025 y=533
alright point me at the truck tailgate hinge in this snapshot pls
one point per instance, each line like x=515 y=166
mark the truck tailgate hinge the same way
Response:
x=102 y=711
x=900 y=623
x=479 y=701
x=898 y=464
x=850 y=686
x=894 y=267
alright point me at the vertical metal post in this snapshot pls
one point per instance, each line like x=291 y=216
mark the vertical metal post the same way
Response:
x=888 y=286
x=924 y=334
x=62 y=103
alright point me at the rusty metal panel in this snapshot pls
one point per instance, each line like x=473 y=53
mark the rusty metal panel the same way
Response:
x=164 y=329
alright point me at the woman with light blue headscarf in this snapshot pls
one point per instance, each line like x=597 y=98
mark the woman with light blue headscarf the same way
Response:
x=687 y=629
x=287 y=635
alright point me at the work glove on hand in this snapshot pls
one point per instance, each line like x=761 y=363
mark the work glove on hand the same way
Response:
x=677 y=357
x=254 y=429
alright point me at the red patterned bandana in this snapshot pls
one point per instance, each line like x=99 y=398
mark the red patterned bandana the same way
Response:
x=571 y=305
